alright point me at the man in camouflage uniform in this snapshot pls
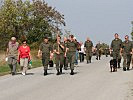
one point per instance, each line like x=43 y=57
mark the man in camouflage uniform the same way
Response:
x=88 y=49
x=65 y=58
x=45 y=49
x=71 y=50
x=116 y=46
x=127 y=49
x=12 y=53
x=98 y=51
x=59 y=50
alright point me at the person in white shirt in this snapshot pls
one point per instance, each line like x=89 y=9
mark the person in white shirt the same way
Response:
x=81 y=52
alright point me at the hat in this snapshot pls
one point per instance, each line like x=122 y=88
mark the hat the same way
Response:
x=13 y=38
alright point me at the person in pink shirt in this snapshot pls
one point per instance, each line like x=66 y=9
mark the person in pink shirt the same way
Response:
x=24 y=56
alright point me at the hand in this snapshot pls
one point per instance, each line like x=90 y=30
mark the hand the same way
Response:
x=65 y=55
x=57 y=53
x=38 y=56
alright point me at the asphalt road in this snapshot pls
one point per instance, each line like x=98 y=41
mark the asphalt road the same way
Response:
x=91 y=82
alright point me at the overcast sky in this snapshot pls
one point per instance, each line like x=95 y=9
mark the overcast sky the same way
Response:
x=97 y=19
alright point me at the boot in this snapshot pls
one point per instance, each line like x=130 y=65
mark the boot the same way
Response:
x=87 y=62
x=119 y=65
x=72 y=73
x=45 y=72
x=61 y=70
x=124 y=68
x=58 y=72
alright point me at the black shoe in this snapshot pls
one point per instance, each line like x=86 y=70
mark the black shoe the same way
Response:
x=72 y=73
x=87 y=62
x=128 y=69
x=65 y=68
x=124 y=69
x=13 y=73
x=96 y=58
x=45 y=72
x=58 y=72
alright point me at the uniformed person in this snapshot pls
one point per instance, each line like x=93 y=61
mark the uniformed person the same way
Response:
x=65 y=58
x=88 y=49
x=127 y=48
x=106 y=51
x=98 y=51
x=116 y=46
x=70 y=52
x=59 y=51
x=45 y=49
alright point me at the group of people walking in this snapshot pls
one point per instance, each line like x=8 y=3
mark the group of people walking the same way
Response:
x=119 y=49
x=66 y=52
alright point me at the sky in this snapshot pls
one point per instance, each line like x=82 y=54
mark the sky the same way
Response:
x=96 y=19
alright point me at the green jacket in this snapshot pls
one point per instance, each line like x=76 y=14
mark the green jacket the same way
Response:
x=98 y=46
x=88 y=45
x=72 y=45
x=127 y=46
x=45 y=47
x=116 y=45
x=58 y=48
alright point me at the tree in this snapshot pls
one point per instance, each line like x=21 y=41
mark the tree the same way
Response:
x=30 y=20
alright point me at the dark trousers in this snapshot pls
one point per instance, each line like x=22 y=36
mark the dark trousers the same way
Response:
x=81 y=57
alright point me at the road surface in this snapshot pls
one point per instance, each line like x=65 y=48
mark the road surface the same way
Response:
x=91 y=82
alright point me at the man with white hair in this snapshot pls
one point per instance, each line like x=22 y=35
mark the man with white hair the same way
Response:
x=11 y=53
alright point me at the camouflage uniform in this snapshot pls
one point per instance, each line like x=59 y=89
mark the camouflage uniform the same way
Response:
x=65 y=58
x=45 y=48
x=98 y=51
x=116 y=45
x=72 y=46
x=59 y=57
x=88 y=45
x=127 y=49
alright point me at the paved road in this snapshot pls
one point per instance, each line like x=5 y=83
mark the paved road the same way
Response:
x=91 y=82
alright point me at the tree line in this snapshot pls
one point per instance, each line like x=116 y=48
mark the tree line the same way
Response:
x=31 y=20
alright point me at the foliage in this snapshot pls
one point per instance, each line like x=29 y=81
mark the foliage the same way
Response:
x=31 y=20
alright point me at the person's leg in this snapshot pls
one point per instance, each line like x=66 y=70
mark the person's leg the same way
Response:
x=114 y=54
x=10 y=60
x=14 y=63
x=61 y=62
x=72 y=64
x=87 y=57
x=25 y=65
x=128 y=61
x=124 y=62
x=22 y=65
x=57 y=60
x=80 y=57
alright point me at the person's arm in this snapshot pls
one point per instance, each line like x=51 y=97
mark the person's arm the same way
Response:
x=39 y=51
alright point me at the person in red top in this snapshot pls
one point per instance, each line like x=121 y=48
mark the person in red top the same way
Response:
x=24 y=56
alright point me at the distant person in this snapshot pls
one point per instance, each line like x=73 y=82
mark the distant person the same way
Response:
x=24 y=56
x=98 y=51
x=65 y=56
x=45 y=49
x=127 y=53
x=81 y=52
x=88 y=49
x=116 y=46
x=12 y=53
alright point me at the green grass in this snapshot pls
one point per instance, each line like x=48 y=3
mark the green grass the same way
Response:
x=4 y=69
